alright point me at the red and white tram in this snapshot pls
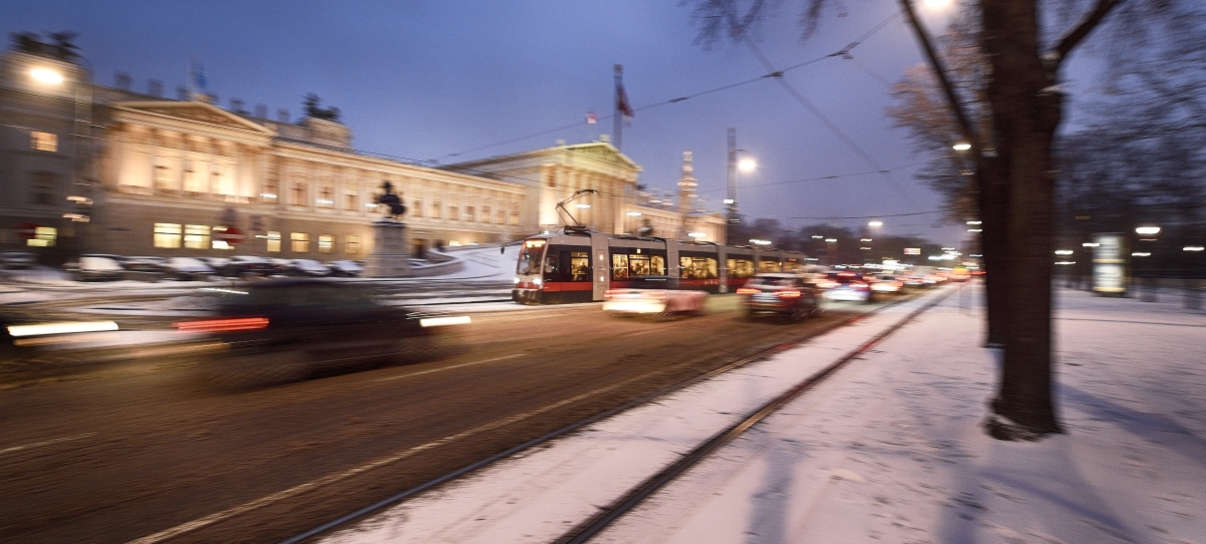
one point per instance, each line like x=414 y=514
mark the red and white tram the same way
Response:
x=580 y=266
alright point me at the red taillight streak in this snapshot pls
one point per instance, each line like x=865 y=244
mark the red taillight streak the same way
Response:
x=747 y=291
x=789 y=294
x=221 y=325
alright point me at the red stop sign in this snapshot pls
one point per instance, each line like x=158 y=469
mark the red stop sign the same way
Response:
x=232 y=236
x=27 y=231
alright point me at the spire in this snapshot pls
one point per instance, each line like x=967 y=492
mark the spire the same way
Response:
x=687 y=185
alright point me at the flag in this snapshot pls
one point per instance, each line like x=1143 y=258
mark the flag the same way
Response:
x=591 y=118
x=622 y=105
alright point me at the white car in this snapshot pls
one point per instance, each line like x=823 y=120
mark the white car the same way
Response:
x=653 y=295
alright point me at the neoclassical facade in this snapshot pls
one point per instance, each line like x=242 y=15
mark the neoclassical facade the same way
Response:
x=86 y=168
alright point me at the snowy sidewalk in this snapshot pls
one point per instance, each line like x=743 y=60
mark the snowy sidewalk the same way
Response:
x=891 y=449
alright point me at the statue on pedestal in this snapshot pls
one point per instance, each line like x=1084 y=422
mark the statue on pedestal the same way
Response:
x=390 y=241
x=391 y=200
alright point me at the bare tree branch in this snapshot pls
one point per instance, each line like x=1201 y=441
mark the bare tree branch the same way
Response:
x=1078 y=34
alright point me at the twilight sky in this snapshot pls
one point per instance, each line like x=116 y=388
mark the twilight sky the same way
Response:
x=447 y=80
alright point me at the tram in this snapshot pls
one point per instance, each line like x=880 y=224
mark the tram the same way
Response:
x=580 y=266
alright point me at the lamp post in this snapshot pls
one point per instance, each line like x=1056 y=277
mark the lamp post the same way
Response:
x=1147 y=233
x=735 y=164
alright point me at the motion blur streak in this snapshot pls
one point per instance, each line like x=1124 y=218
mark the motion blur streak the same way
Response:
x=218 y=325
x=63 y=327
x=442 y=321
x=66 y=339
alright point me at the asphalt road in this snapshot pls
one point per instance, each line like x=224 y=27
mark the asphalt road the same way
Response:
x=133 y=449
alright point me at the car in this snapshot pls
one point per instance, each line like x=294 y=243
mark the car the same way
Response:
x=243 y=266
x=345 y=269
x=144 y=268
x=289 y=329
x=887 y=283
x=17 y=259
x=846 y=286
x=216 y=263
x=95 y=268
x=281 y=267
x=187 y=268
x=310 y=267
x=653 y=295
x=789 y=295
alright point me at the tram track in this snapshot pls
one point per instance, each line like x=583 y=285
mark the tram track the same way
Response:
x=590 y=527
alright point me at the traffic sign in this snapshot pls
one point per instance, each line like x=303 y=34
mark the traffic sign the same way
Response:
x=27 y=231
x=232 y=236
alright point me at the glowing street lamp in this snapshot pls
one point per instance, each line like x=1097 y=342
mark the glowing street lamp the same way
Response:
x=759 y=242
x=875 y=223
x=46 y=75
x=1147 y=230
x=747 y=164
x=961 y=146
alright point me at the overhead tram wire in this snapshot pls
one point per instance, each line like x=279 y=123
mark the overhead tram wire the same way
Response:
x=772 y=74
x=818 y=178
x=866 y=216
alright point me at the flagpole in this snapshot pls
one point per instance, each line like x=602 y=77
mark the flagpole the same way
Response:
x=617 y=118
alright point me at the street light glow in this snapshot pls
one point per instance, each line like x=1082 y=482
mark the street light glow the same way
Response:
x=1063 y=252
x=1147 y=230
x=696 y=234
x=876 y=223
x=1090 y=244
x=1141 y=254
x=759 y=242
x=46 y=75
x=633 y=214
x=940 y=4
x=831 y=240
x=1192 y=248
x=975 y=230
x=961 y=146
x=747 y=165
x=975 y=222
x=864 y=239
x=728 y=201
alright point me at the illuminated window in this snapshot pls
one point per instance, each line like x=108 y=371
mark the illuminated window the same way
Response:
x=43 y=237
x=485 y=214
x=452 y=213
x=351 y=245
x=44 y=141
x=163 y=178
x=217 y=244
x=299 y=242
x=196 y=236
x=191 y=183
x=167 y=235
x=326 y=243
x=270 y=190
x=740 y=268
x=274 y=241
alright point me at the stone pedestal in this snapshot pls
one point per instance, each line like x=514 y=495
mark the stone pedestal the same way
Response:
x=390 y=250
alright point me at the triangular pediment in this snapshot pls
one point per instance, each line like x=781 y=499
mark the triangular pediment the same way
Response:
x=603 y=151
x=197 y=112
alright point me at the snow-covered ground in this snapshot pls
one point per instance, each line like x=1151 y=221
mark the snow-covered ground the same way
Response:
x=890 y=449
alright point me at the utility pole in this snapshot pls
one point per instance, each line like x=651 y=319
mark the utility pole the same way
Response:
x=730 y=203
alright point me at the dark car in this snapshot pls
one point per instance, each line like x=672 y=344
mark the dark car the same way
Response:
x=188 y=268
x=790 y=295
x=144 y=268
x=288 y=329
x=243 y=266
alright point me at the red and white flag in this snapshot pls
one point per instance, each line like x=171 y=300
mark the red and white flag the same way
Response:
x=591 y=118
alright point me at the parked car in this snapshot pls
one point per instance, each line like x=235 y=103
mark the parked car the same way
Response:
x=790 y=295
x=188 y=268
x=653 y=295
x=345 y=269
x=216 y=263
x=288 y=329
x=95 y=268
x=310 y=267
x=241 y=266
x=17 y=259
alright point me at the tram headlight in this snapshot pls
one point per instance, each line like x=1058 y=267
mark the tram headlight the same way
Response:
x=537 y=281
x=516 y=279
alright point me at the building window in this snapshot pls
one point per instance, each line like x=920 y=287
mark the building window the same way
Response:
x=299 y=194
x=196 y=236
x=352 y=244
x=43 y=237
x=41 y=188
x=452 y=213
x=350 y=202
x=469 y=216
x=417 y=209
x=163 y=178
x=326 y=243
x=167 y=235
x=190 y=178
x=274 y=241
x=485 y=214
x=502 y=217
x=435 y=210
x=44 y=141
x=270 y=191
x=300 y=242
x=326 y=197
x=217 y=244
x=514 y=218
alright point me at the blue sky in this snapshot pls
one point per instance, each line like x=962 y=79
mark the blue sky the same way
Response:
x=429 y=79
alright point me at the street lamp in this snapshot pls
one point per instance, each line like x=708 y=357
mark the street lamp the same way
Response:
x=46 y=76
x=1147 y=231
x=875 y=224
x=961 y=146
x=747 y=165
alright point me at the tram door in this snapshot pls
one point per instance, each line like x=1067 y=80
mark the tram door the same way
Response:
x=600 y=265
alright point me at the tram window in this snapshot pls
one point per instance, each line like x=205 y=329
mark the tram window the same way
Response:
x=579 y=266
x=698 y=268
x=740 y=268
x=769 y=266
x=792 y=265
x=529 y=257
x=619 y=266
x=551 y=267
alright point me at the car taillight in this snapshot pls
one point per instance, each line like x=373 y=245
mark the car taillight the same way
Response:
x=223 y=325
x=789 y=294
x=747 y=291
x=859 y=286
x=827 y=284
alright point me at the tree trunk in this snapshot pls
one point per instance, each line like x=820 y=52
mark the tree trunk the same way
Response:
x=992 y=178
x=1026 y=111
